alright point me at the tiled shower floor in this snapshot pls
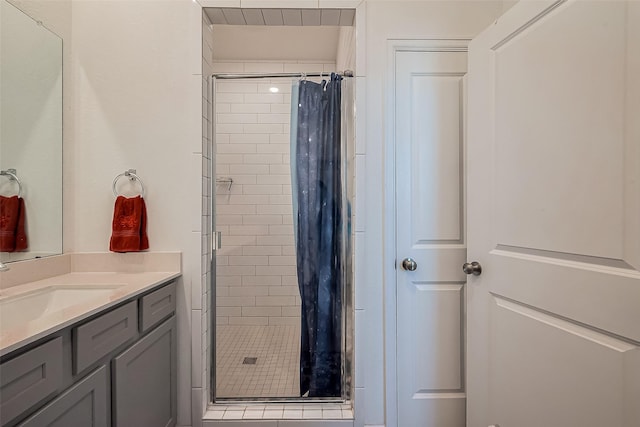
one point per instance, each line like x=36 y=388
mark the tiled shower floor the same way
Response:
x=276 y=369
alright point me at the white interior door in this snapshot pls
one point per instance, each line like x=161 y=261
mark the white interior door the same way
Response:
x=429 y=136
x=554 y=217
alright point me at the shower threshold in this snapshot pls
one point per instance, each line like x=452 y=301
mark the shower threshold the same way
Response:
x=280 y=400
x=279 y=410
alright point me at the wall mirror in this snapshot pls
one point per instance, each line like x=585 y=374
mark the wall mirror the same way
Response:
x=30 y=134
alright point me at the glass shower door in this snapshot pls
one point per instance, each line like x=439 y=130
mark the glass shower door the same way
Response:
x=256 y=300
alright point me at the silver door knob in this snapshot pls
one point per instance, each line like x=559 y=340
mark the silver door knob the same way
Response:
x=409 y=264
x=472 y=268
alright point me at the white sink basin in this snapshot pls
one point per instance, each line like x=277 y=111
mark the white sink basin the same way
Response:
x=29 y=306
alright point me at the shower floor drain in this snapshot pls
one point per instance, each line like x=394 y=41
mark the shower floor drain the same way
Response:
x=249 y=360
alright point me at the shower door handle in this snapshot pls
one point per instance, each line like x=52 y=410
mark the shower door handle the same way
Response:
x=216 y=241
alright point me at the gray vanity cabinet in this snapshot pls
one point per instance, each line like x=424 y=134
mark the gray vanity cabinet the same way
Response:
x=84 y=404
x=117 y=368
x=144 y=380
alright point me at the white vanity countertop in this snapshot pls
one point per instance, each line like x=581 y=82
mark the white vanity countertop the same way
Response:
x=126 y=285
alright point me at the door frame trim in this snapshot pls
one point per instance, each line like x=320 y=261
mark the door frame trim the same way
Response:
x=389 y=199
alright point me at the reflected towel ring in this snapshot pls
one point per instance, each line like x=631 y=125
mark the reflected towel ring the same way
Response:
x=131 y=174
x=11 y=173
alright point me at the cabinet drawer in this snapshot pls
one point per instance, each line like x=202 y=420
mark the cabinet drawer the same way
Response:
x=84 y=404
x=103 y=335
x=157 y=306
x=30 y=378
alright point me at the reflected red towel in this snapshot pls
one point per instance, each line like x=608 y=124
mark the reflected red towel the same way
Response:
x=129 y=226
x=13 y=236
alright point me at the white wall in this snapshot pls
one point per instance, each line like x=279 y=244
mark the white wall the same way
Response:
x=137 y=83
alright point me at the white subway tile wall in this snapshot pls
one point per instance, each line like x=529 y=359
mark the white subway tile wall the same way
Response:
x=256 y=273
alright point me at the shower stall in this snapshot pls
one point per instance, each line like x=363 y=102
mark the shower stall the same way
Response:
x=282 y=298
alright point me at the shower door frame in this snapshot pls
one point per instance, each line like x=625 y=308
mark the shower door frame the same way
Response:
x=348 y=326
x=211 y=336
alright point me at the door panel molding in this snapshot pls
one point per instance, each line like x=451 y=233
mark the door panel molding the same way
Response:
x=565 y=258
x=519 y=30
x=544 y=375
x=602 y=297
x=541 y=124
x=446 y=300
x=446 y=219
x=587 y=332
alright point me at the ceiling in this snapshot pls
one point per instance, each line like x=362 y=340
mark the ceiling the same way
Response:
x=281 y=17
x=263 y=43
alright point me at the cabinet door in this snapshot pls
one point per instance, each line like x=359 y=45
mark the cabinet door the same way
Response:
x=144 y=380
x=84 y=404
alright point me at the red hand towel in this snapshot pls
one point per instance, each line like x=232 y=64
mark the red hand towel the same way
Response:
x=129 y=226
x=13 y=236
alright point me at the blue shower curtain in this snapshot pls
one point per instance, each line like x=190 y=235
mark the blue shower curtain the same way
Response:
x=317 y=194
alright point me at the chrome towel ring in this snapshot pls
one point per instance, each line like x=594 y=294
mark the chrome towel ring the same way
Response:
x=11 y=173
x=131 y=174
